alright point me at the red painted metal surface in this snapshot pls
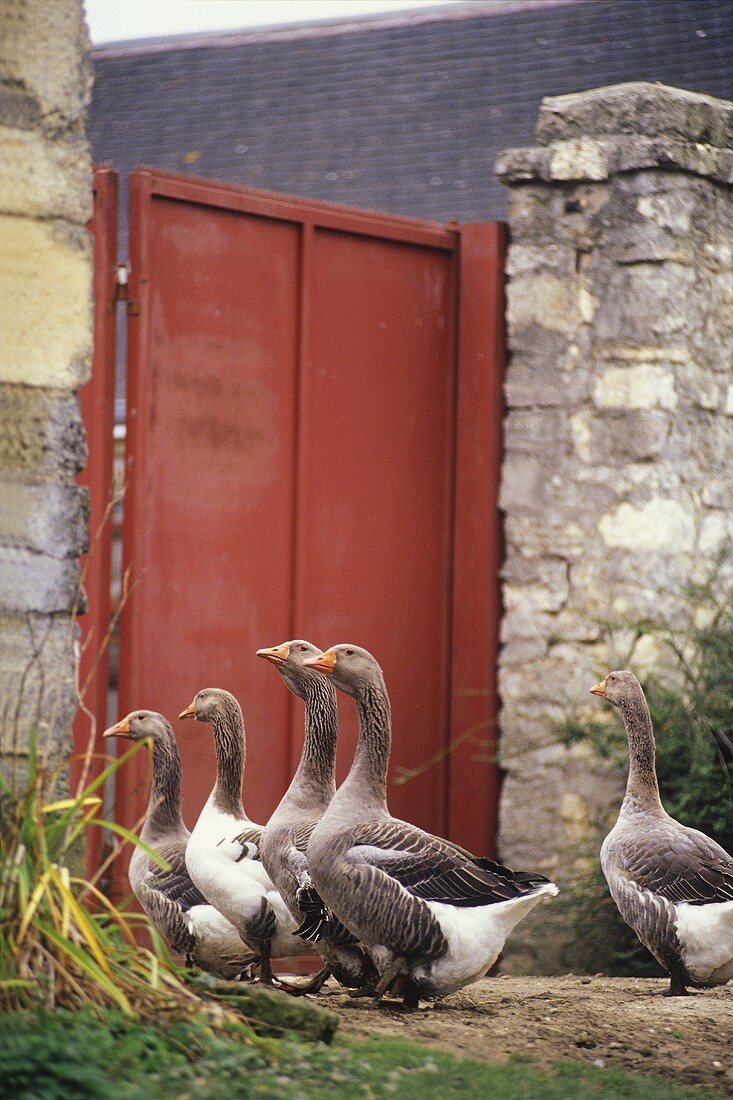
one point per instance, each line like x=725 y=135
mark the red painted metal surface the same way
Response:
x=477 y=548
x=298 y=391
x=97 y=406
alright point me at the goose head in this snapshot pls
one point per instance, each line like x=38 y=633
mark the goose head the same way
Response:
x=348 y=666
x=140 y=725
x=290 y=661
x=619 y=688
x=208 y=704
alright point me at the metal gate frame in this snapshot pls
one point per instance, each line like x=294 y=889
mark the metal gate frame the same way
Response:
x=473 y=775
x=96 y=399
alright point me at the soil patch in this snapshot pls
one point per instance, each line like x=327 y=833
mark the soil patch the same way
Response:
x=606 y=1021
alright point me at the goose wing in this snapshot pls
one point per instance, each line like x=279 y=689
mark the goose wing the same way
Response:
x=434 y=869
x=681 y=865
x=248 y=840
x=319 y=922
x=166 y=897
x=174 y=884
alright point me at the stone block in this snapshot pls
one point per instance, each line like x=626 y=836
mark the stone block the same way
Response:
x=520 y=650
x=31 y=582
x=550 y=535
x=658 y=525
x=45 y=177
x=546 y=216
x=646 y=304
x=520 y=623
x=523 y=483
x=698 y=388
x=47 y=519
x=716 y=534
x=637 y=108
x=38 y=661
x=579 y=158
x=544 y=300
x=41 y=434
x=634 y=435
x=526 y=259
x=528 y=384
x=535 y=431
x=535 y=597
x=45 y=303
x=519 y=570
x=44 y=55
x=641 y=387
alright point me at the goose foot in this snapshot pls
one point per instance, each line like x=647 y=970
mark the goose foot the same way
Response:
x=677 y=985
x=266 y=975
x=393 y=980
x=313 y=986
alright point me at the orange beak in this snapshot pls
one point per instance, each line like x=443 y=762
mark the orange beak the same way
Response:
x=278 y=654
x=599 y=689
x=325 y=662
x=189 y=712
x=121 y=729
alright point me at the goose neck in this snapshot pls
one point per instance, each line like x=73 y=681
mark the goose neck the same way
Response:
x=375 y=738
x=317 y=765
x=164 y=804
x=228 y=727
x=642 y=788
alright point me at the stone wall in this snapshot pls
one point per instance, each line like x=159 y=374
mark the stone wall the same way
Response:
x=45 y=355
x=618 y=475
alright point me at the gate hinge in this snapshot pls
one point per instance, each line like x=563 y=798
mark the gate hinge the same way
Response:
x=122 y=287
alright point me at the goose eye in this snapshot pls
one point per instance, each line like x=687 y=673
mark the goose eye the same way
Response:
x=349 y=653
x=302 y=648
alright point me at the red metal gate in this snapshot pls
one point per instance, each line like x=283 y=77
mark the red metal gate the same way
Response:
x=313 y=439
x=97 y=407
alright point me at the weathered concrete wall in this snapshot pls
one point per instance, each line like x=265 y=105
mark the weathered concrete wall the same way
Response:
x=618 y=477
x=45 y=355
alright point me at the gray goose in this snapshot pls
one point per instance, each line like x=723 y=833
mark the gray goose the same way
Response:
x=172 y=903
x=223 y=853
x=433 y=917
x=285 y=837
x=673 y=885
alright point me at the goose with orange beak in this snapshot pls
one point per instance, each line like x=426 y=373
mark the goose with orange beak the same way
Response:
x=223 y=854
x=178 y=910
x=432 y=916
x=673 y=885
x=285 y=838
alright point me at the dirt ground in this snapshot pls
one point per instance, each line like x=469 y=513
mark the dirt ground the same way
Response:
x=607 y=1021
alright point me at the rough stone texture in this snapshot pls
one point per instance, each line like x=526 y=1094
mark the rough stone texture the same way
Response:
x=619 y=438
x=45 y=319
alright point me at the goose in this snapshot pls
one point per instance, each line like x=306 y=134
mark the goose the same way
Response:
x=178 y=910
x=672 y=885
x=222 y=855
x=285 y=837
x=433 y=917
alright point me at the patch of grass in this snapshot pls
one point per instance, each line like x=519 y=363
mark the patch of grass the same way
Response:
x=51 y=1056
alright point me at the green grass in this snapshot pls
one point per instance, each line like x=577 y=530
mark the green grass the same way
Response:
x=53 y=1056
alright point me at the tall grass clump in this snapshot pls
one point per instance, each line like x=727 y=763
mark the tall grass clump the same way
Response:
x=63 y=944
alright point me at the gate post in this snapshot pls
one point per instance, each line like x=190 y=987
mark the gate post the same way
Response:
x=45 y=289
x=619 y=430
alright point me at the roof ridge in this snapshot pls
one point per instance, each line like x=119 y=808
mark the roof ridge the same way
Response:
x=324 y=28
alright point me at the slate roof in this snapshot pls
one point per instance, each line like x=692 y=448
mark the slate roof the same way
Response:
x=399 y=114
